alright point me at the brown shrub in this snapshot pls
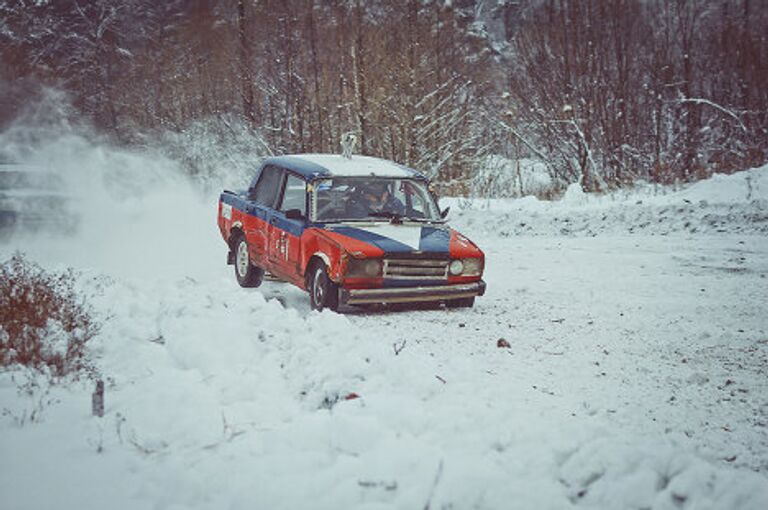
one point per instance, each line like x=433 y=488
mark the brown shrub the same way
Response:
x=43 y=320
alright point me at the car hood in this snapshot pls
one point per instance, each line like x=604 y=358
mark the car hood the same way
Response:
x=407 y=238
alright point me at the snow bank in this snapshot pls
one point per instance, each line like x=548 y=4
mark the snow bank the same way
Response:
x=736 y=203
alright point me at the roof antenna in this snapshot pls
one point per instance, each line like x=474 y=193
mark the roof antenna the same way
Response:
x=348 y=142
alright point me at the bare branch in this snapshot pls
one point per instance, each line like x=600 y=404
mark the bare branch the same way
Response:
x=707 y=102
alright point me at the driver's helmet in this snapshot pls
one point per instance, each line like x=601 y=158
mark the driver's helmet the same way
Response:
x=376 y=188
x=372 y=193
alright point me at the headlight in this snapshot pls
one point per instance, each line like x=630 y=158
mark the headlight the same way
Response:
x=473 y=267
x=456 y=267
x=372 y=267
x=363 y=268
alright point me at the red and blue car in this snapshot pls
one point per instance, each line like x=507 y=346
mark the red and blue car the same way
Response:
x=351 y=231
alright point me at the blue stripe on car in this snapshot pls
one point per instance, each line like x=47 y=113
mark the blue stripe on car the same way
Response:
x=385 y=243
x=434 y=240
x=293 y=227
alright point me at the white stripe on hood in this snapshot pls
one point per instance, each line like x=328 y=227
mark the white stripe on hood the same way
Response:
x=409 y=235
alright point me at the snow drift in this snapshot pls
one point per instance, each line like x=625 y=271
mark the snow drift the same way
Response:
x=736 y=203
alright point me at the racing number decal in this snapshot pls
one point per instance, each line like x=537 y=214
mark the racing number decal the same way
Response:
x=284 y=246
x=281 y=246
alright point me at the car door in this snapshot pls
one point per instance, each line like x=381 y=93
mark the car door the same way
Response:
x=259 y=211
x=286 y=226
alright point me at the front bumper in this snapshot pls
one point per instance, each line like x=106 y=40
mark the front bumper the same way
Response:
x=411 y=294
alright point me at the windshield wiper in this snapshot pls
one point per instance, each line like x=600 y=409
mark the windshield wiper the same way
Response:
x=393 y=216
x=422 y=220
x=384 y=214
x=397 y=219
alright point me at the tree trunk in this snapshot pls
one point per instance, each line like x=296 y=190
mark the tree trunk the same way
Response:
x=246 y=79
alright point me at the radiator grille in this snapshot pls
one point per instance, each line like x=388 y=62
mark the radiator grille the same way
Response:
x=416 y=269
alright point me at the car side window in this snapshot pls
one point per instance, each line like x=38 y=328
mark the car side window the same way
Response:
x=294 y=195
x=266 y=189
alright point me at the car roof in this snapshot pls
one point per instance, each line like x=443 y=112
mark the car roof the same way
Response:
x=329 y=165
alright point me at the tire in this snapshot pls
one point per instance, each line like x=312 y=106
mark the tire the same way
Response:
x=323 y=293
x=246 y=273
x=467 y=302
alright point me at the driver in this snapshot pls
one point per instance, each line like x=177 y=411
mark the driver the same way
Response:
x=374 y=197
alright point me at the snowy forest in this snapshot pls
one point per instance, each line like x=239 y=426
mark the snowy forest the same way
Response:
x=604 y=93
x=577 y=321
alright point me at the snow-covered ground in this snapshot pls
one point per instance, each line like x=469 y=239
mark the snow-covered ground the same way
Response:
x=635 y=374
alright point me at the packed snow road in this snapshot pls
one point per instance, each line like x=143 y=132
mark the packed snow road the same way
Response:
x=655 y=335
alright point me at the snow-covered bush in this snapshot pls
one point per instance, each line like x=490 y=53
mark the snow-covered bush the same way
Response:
x=218 y=151
x=44 y=323
x=499 y=177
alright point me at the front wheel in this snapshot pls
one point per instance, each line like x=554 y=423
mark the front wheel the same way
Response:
x=323 y=293
x=246 y=273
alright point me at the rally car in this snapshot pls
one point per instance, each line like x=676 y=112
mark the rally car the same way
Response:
x=350 y=230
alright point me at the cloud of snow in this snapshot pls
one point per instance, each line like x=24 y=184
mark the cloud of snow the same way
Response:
x=136 y=212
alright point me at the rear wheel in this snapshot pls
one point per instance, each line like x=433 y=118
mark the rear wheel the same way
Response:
x=246 y=273
x=467 y=302
x=323 y=293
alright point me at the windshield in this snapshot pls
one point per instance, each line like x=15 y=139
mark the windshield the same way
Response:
x=367 y=198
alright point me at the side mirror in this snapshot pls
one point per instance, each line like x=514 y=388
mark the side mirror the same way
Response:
x=294 y=214
x=445 y=212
